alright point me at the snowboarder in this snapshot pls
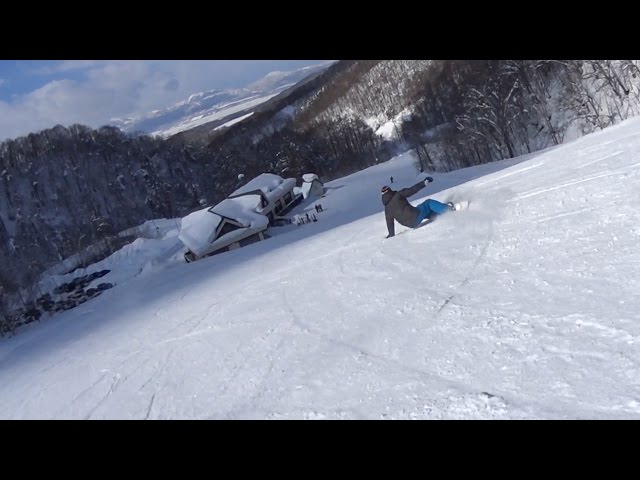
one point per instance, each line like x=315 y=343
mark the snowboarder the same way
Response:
x=396 y=207
x=391 y=178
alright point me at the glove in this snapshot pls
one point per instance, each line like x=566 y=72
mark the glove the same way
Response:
x=428 y=180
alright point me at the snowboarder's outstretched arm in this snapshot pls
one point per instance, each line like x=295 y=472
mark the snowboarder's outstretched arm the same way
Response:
x=390 y=223
x=407 y=192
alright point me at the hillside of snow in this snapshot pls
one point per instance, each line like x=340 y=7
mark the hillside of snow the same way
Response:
x=524 y=306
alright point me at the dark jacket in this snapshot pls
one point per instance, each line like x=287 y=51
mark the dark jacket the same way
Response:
x=396 y=207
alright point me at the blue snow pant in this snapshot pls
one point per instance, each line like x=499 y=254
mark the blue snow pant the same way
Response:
x=429 y=207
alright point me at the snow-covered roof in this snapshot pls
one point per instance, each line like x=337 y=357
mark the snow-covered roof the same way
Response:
x=273 y=186
x=242 y=209
x=198 y=230
x=310 y=177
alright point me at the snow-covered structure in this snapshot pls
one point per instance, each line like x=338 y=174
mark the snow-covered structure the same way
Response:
x=230 y=224
x=276 y=194
x=239 y=220
x=311 y=186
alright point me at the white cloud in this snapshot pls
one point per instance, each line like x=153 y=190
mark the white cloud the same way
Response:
x=101 y=90
x=66 y=66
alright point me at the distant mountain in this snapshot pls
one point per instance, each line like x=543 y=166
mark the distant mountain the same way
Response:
x=219 y=106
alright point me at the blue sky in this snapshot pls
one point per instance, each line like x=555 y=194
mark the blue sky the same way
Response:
x=40 y=94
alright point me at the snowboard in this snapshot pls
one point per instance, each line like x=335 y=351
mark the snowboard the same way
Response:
x=464 y=204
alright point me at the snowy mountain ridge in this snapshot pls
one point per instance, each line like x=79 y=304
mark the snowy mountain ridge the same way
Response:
x=215 y=105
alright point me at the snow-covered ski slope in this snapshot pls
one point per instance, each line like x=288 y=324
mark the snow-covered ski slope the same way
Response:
x=525 y=305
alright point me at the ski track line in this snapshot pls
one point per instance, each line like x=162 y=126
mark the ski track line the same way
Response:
x=560 y=215
x=614 y=333
x=394 y=364
x=223 y=386
x=400 y=260
x=236 y=371
x=115 y=382
x=203 y=318
x=260 y=388
x=153 y=397
x=156 y=372
x=559 y=187
x=601 y=159
x=178 y=325
x=200 y=317
x=468 y=276
x=81 y=394
x=46 y=369
x=576 y=182
x=510 y=174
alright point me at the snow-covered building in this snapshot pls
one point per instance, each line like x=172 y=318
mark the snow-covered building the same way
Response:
x=239 y=220
x=277 y=194
x=311 y=186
